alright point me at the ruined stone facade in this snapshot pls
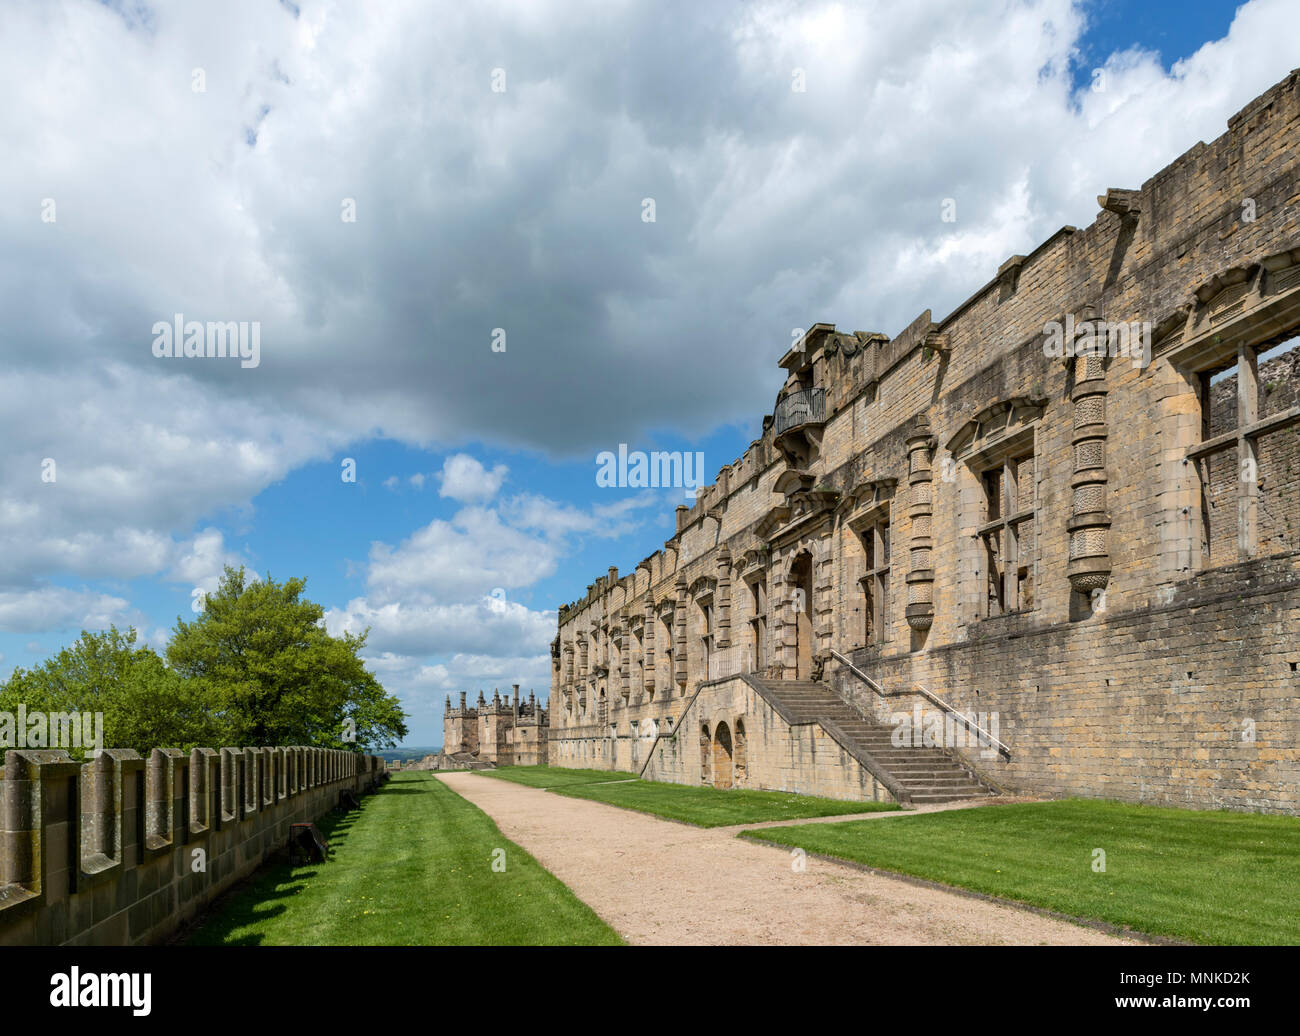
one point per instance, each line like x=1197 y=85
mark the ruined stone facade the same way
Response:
x=499 y=732
x=1069 y=511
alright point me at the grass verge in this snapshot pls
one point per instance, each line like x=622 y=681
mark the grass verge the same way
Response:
x=554 y=776
x=1206 y=877
x=413 y=866
x=712 y=807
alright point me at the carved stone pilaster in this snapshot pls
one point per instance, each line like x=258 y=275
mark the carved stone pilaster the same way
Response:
x=625 y=658
x=648 y=662
x=1089 y=565
x=679 y=633
x=920 y=575
x=723 y=598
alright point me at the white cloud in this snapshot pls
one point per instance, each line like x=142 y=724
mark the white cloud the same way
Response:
x=557 y=520
x=425 y=628
x=478 y=210
x=466 y=480
x=59 y=608
x=458 y=559
x=203 y=559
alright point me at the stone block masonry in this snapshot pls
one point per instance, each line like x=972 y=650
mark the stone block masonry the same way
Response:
x=1073 y=504
x=124 y=851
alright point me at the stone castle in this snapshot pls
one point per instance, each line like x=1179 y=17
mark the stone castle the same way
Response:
x=499 y=732
x=1049 y=544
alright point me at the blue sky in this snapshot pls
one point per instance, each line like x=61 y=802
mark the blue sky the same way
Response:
x=475 y=510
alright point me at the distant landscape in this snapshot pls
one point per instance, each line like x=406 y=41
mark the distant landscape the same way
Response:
x=402 y=755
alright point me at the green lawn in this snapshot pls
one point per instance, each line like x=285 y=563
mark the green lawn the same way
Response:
x=711 y=807
x=412 y=867
x=554 y=776
x=1228 y=878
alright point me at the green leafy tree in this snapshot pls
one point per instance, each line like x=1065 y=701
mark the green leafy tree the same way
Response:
x=267 y=664
x=144 y=704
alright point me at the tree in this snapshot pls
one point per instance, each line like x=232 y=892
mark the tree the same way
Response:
x=266 y=663
x=144 y=704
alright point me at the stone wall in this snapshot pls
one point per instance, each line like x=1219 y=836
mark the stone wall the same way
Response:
x=759 y=749
x=1037 y=532
x=122 y=851
x=499 y=732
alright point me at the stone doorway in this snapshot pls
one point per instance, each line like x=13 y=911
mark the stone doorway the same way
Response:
x=722 y=756
x=800 y=583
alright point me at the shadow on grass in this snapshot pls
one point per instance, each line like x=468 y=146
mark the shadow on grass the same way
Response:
x=253 y=900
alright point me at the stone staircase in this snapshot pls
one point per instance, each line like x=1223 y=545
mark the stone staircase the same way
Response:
x=923 y=775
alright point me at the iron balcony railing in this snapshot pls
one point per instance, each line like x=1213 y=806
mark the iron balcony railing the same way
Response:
x=807 y=406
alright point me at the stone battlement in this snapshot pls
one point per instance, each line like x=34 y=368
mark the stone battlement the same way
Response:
x=124 y=851
x=497 y=732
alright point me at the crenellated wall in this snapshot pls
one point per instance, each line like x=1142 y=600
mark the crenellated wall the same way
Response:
x=123 y=851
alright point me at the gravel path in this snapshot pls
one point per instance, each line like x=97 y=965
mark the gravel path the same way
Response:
x=662 y=883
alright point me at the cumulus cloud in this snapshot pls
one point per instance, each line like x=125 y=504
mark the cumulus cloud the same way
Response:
x=466 y=480
x=137 y=197
x=558 y=520
x=203 y=559
x=60 y=608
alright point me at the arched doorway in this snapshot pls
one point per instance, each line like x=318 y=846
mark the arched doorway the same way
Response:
x=800 y=585
x=706 y=744
x=722 y=756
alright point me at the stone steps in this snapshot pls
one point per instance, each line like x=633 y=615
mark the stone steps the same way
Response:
x=927 y=775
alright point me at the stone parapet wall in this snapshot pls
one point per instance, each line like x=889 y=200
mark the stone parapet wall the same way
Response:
x=124 y=851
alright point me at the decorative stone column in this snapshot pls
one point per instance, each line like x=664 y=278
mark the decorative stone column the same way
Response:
x=723 y=599
x=648 y=661
x=679 y=634
x=624 y=657
x=1089 y=566
x=920 y=576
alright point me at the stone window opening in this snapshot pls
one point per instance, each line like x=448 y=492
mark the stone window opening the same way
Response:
x=1007 y=534
x=706 y=635
x=706 y=749
x=875 y=542
x=757 y=624
x=1247 y=472
x=638 y=674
